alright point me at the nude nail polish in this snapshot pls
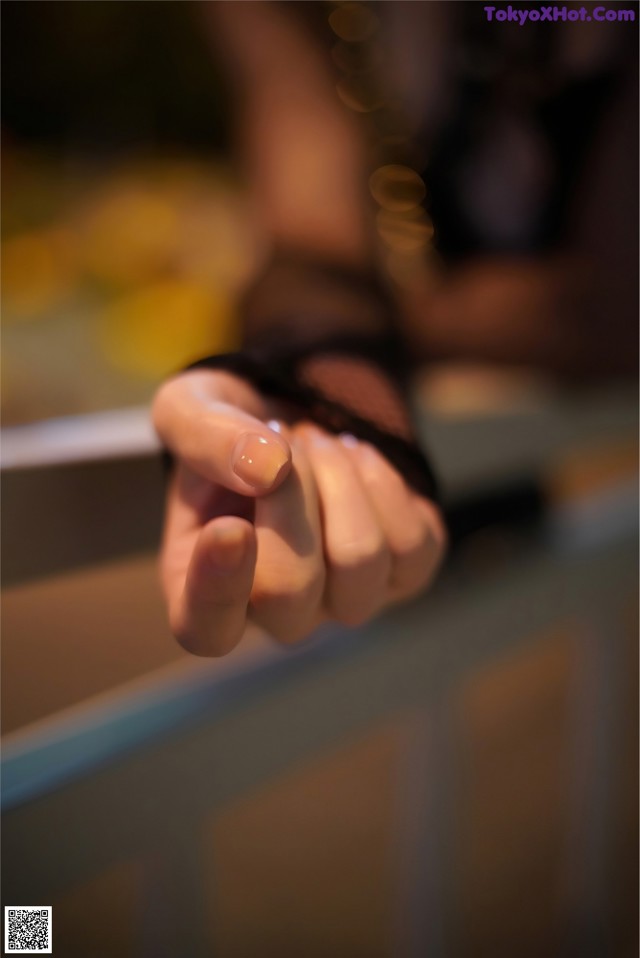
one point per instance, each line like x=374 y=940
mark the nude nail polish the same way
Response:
x=258 y=461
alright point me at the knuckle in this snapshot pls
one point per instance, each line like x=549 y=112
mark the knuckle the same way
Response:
x=414 y=570
x=412 y=550
x=288 y=587
x=383 y=476
x=365 y=555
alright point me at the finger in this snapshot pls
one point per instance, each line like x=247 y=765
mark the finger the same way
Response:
x=208 y=587
x=200 y=416
x=286 y=598
x=192 y=501
x=358 y=562
x=414 y=534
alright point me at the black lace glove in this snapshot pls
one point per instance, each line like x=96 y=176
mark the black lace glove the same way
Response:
x=304 y=360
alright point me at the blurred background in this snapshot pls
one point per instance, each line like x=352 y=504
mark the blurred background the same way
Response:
x=503 y=172
x=117 y=201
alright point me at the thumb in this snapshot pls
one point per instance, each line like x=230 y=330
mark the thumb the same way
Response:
x=197 y=418
x=208 y=606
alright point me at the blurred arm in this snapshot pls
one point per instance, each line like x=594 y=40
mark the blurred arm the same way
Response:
x=306 y=166
x=303 y=151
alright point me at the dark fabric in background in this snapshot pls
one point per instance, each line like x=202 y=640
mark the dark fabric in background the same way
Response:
x=105 y=76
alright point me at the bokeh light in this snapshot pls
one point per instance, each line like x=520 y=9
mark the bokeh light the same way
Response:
x=155 y=330
x=397 y=188
x=353 y=22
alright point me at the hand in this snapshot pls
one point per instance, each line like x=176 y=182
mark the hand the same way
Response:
x=285 y=526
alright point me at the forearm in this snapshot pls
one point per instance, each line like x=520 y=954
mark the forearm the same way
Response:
x=303 y=151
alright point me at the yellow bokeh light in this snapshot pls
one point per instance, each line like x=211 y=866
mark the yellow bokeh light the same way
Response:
x=353 y=22
x=359 y=96
x=154 y=331
x=39 y=270
x=405 y=233
x=397 y=188
x=130 y=235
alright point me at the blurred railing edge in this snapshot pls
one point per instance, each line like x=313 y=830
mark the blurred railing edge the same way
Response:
x=120 y=760
x=112 y=434
x=44 y=757
x=89 y=488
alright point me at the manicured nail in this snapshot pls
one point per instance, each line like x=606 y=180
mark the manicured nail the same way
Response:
x=230 y=546
x=258 y=461
x=348 y=440
x=275 y=424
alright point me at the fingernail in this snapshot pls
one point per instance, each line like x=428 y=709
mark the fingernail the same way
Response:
x=275 y=424
x=258 y=461
x=348 y=440
x=230 y=545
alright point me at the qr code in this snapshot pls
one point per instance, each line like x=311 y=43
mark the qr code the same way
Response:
x=27 y=930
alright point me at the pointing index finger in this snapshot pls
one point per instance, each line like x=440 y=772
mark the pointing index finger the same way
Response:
x=201 y=417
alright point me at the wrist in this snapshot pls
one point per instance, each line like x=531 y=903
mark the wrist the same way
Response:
x=308 y=297
x=362 y=386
